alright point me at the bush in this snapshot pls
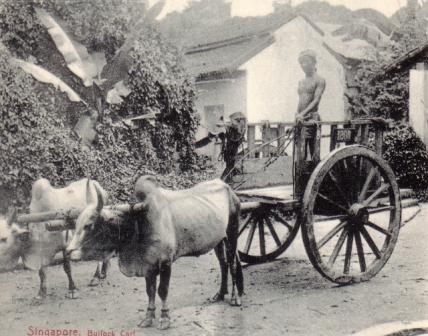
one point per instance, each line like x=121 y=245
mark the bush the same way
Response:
x=32 y=133
x=408 y=157
x=35 y=131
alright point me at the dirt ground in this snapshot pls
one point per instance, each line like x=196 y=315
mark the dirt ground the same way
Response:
x=283 y=297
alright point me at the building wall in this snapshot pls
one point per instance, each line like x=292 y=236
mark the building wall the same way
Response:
x=231 y=93
x=273 y=76
x=418 y=108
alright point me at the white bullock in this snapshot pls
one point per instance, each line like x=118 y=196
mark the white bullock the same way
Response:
x=44 y=245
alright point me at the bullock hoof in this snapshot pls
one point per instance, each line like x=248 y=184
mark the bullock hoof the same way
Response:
x=236 y=301
x=38 y=300
x=218 y=297
x=95 y=281
x=164 y=323
x=148 y=321
x=165 y=320
x=72 y=294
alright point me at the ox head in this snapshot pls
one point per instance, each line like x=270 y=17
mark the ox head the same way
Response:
x=13 y=244
x=88 y=221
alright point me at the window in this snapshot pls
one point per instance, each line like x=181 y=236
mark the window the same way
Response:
x=213 y=115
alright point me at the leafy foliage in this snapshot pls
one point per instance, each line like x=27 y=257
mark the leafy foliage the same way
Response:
x=408 y=157
x=35 y=133
x=19 y=27
x=159 y=82
x=32 y=133
x=385 y=93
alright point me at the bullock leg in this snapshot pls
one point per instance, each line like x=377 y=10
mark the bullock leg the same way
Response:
x=100 y=273
x=165 y=276
x=104 y=268
x=231 y=261
x=72 y=290
x=219 y=252
x=42 y=291
x=239 y=277
x=96 y=279
x=151 y=293
x=232 y=258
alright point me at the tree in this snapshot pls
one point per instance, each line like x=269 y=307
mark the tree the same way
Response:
x=154 y=75
x=386 y=93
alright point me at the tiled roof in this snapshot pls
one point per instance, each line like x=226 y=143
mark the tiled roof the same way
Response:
x=407 y=57
x=223 y=49
x=225 y=57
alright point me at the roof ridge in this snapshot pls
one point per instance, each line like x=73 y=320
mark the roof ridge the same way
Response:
x=276 y=21
x=223 y=43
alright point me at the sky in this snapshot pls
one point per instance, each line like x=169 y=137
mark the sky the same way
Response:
x=263 y=7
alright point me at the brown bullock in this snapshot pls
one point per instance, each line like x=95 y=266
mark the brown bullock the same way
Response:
x=172 y=224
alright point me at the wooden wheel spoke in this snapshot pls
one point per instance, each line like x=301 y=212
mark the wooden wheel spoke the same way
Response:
x=378 y=228
x=380 y=209
x=338 y=187
x=338 y=206
x=337 y=248
x=331 y=234
x=246 y=222
x=262 y=237
x=272 y=231
x=360 y=251
x=348 y=253
x=366 y=185
x=250 y=237
x=344 y=237
x=282 y=221
x=354 y=163
x=370 y=242
x=373 y=196
x=329 y=218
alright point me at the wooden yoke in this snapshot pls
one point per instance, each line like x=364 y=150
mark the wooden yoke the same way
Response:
x=60 y=220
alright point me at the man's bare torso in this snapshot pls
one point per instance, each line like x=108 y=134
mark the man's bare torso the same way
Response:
x=307 y=88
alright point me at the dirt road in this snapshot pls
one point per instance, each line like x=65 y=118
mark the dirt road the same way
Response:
x=283 y=297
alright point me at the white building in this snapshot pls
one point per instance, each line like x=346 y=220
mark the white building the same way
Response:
x=251 y=65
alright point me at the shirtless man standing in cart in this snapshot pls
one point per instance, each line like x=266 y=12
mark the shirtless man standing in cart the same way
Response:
x=310 y=90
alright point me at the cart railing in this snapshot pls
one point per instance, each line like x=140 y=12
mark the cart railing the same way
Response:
x=267 y=142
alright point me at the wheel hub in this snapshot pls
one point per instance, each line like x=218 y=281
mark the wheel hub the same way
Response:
x=359 y=214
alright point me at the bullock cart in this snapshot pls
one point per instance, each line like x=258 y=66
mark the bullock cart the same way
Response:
x=342 y=195
x=346 y=201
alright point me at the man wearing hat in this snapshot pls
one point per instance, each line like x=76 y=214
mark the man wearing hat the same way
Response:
x=310 y=91
x=232 y=139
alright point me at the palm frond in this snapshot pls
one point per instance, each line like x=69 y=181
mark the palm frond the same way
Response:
x=78 y=60
x=44 y=76
x=117 y=69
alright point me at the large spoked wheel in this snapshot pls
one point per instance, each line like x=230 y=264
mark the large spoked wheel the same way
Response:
x=351 y=215
x=265 y=233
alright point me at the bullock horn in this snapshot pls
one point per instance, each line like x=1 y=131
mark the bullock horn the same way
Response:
x=100 y=200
